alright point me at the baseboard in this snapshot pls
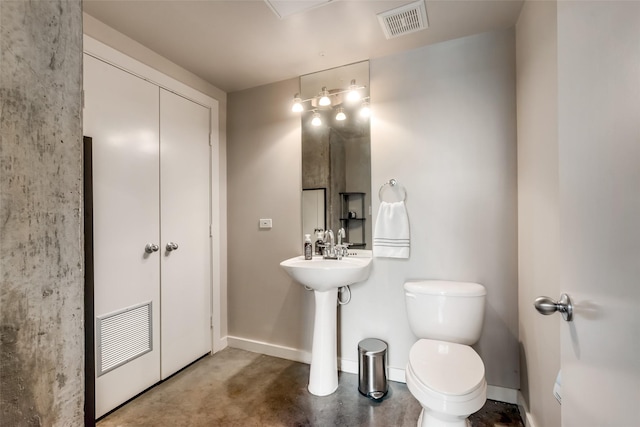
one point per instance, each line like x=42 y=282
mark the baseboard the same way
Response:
x=501 y=394
x=220 y=344
x=351 y=367
x=282 y=352
x=524 y=412
x=297 y=355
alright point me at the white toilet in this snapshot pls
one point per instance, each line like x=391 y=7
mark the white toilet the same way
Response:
x=444 y=373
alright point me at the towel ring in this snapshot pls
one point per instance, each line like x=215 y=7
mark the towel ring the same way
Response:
x=392 y=183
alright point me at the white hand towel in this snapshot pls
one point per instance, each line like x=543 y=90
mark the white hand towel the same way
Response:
x=391 y=234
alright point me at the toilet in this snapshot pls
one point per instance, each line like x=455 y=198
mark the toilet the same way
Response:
x=444 y=373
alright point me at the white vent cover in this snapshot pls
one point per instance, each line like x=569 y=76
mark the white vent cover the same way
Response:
x=123 y=336
x=403 y=20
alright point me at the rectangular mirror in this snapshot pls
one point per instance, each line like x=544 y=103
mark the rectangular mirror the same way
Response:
x=336 y=151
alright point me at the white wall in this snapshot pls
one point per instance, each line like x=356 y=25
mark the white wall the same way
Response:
x=445 y=128
x=538 y=215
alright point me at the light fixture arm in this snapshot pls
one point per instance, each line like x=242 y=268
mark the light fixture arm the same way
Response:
x=336 y=93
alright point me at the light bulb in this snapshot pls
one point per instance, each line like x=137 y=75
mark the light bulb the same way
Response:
x=316 y=121
x=341 y=115
x=365 y=110
x=297 y=104
x=324 y=98
x=353 y=94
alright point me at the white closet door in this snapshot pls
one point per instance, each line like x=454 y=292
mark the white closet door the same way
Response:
x=121 y=115
x=185 y=218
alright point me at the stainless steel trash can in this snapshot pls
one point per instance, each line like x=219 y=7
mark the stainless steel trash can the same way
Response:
x=372 y=368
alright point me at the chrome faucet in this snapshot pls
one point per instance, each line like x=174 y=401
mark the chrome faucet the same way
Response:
x=329 y=234
x=331 y=250
x=329 y=247
x=342 y=248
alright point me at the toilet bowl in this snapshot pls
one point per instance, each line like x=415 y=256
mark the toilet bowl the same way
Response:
x=444 y=373
x=448 y=381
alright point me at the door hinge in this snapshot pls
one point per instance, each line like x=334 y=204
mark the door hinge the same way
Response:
x=210 y=143
x=210 y=231
x=211 y=321
x=83 y=98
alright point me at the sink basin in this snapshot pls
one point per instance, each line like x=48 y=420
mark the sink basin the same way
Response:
x=325 y=274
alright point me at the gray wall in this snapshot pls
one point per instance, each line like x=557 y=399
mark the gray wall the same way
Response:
x=264 y=181
x=444 y=126
x=538 y=207
x=41 y=243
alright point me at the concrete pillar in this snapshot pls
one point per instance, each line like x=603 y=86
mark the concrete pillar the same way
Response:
x=41 y=240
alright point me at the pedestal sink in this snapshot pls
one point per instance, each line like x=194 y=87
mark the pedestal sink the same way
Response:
x=325 y=276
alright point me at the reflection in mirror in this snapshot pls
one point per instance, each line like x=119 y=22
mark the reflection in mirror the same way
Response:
x=336 y=153
x=314 y=201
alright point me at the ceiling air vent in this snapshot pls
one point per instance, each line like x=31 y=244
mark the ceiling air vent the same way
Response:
x=403 y=20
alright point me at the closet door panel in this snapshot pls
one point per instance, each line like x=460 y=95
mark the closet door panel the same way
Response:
x=121 y=115
x=185 y=219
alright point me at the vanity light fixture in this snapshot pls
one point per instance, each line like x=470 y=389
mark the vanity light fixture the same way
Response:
x=353 y=94
x=297 y=104
x=365 y=110
x=327 y=99
x=324 y=101
x=316 y=120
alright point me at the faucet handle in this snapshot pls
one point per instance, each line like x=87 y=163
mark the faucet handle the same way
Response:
x=342 y=250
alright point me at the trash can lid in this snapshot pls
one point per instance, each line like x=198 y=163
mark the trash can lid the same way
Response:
x=372 y=346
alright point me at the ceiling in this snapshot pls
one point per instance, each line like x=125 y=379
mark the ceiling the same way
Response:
x=239 y=44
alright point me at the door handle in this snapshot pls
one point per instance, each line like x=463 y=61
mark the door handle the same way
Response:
x=546 y=306
x=171 y=246
x=151 y=247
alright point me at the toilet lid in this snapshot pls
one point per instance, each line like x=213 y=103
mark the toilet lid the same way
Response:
x=447 y=368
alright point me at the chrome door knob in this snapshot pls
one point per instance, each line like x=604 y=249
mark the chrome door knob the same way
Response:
x=151 y=247
x=171 y=246
x=546 y=306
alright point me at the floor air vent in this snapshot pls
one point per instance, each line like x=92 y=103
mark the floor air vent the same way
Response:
x=123 y=336
x=403 y=20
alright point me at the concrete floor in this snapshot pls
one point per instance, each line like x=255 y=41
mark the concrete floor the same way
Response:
x=240 y=388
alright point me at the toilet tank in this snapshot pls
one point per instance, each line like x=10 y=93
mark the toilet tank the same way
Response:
x=446 y=310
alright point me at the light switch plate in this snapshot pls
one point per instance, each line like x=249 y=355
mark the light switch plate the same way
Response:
x=265 y=223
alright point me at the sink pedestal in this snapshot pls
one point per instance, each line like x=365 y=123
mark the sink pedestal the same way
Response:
x=323 y=378
x=325 y=276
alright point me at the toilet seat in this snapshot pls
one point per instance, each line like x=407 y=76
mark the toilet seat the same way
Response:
x=446 y=377
x=433 y=362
